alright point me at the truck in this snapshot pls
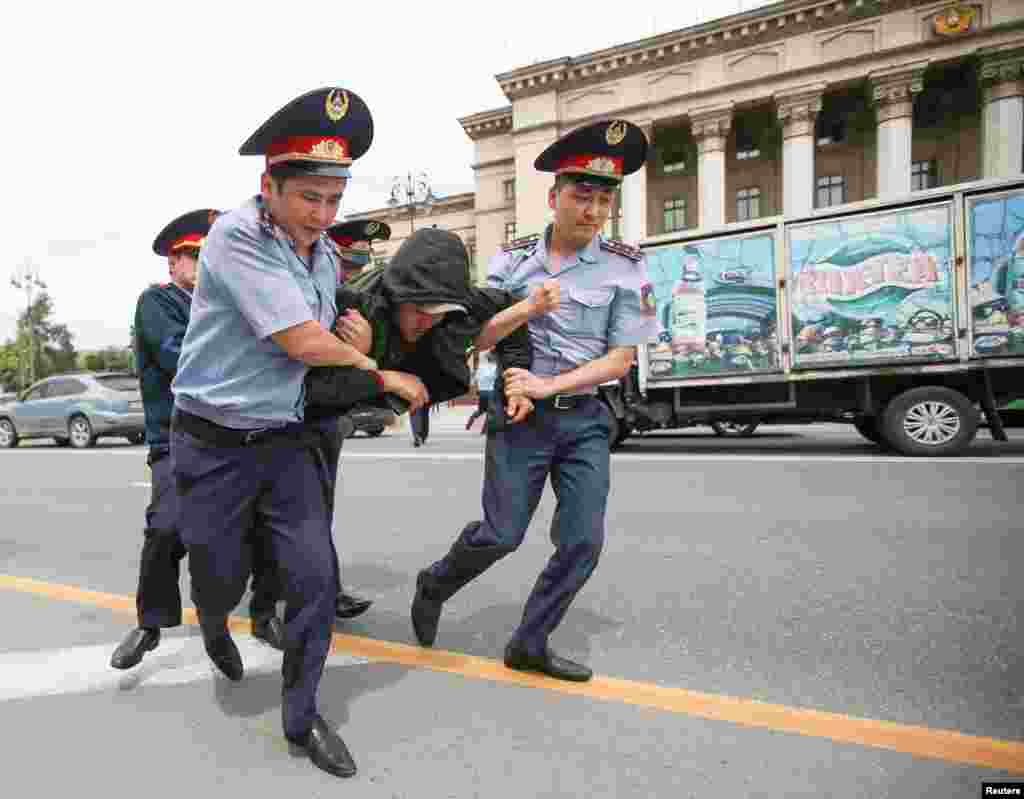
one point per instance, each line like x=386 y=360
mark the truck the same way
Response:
x=902 y=317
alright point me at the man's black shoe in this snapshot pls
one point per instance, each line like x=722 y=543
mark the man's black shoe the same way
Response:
x=136 y=644
x=270 y=629
x=426 y=612
x=349 y=605
x=220 y=646
x=548 y=663
x=327 y=750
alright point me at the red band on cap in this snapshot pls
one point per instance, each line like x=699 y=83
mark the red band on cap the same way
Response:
x=609 y=166
x=327 y=149
x=189 y=240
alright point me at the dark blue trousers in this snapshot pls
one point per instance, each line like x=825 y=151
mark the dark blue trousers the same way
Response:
x=158 y=599
x=571 y=448
x=280 y=486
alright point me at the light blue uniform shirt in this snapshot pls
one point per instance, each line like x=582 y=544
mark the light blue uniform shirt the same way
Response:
x=250 y=284
x=606 y=301
x=486 y=376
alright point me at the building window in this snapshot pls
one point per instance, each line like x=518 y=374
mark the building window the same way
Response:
x=924 y=175
x=831 y=191
x=510 y=232
x=748 y=204
x=831 y=130
x=509 y=188
x=613 y=227
x=673 y=214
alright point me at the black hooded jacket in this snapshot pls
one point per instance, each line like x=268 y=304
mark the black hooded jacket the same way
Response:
x=431 y=266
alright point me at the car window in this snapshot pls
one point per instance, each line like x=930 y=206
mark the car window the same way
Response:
x=119 y=382
x=39 y=392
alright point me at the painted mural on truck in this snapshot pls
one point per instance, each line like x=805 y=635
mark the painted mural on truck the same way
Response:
x=995 y=235
x=873 y=288
x=717 y=308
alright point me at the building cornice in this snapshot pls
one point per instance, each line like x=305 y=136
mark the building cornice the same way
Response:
x=453 y=203
x=496 y=162
x=488 y=123
x=758 y=26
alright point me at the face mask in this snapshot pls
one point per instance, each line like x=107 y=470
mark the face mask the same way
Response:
x=357 y=259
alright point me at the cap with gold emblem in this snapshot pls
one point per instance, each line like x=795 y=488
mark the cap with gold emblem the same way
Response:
x=187 y=232
x=345 y=233
x=322 y=133
x=602 y=152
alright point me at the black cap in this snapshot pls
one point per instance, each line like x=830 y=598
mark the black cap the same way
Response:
x=344 y=233
x=188 y=231
x=603 y=151
x=322 y=133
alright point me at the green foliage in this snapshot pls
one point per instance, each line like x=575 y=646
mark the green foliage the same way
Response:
x=43 y=346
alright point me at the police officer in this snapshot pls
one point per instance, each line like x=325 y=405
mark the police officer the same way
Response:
x=607 y=309
x=161 y=316
x=242 y=453
x=353 y=250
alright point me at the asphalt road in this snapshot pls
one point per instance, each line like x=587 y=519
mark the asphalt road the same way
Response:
x=794 y=614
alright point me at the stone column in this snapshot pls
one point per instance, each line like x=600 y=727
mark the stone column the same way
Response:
x=634 y=200
x=893 y=96
x=798 y=112
x=710 y=130
x=1002 y=124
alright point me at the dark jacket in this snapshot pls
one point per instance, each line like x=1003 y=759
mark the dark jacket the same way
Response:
x=431 y=266
x=161 y=316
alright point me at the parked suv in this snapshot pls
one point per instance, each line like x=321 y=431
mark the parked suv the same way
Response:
x=75 y=409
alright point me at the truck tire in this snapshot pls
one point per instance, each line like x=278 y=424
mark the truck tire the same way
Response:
x=735 y=429
x=929 y=421
x=868 y=426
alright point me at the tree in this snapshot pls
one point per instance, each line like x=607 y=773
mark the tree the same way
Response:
x=42 y=343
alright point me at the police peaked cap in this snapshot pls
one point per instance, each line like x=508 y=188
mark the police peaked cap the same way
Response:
x=344 y=233
x=188 y=231
x=606 y=151
x=322 y=132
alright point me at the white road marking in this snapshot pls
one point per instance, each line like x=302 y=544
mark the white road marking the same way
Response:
x=86 y=669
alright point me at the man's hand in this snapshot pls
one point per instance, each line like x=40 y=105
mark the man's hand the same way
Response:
x=353 y=329
x=521 y=383
x=544 y=298
x=518 y=408
x=407 y=386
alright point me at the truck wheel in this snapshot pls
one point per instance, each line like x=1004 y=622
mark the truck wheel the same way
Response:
x=373 y=432
x=930 y=420
x=8 y=435
x=867 y=426
x=740 y=429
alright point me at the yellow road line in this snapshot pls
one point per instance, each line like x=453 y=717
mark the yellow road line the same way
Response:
x=926 y=742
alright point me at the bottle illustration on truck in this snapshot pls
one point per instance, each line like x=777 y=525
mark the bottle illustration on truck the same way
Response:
x=689 y=312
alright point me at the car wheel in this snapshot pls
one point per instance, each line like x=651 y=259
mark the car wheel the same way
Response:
x=80 y=433
x=373 y=432
x=736 y=429
x=8 y=435
x=137 y=438
x=62 y=442
x=930 y=421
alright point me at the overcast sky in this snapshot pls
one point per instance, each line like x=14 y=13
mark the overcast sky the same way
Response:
x=121 y=116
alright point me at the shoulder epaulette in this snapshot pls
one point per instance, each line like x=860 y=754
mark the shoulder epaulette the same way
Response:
x=522 y=243
x=621 y=248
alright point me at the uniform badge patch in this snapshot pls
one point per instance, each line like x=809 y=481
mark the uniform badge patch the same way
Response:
x=648 y=302
x=336 y=104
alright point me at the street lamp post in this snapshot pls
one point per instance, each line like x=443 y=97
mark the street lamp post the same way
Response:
x=26 y=278
x=416 y=190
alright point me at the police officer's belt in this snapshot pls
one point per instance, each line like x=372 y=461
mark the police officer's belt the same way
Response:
x=565 y=402
x=220 y=436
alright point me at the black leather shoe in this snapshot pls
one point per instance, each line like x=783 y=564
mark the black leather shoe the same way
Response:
x=426 y=613
x=549 y=663
x=349 y=605
x=136 y=644
x=327 y=750
x=269 y=629
x=220 y=646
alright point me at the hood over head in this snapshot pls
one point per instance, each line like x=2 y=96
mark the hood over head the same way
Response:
x=430 y=268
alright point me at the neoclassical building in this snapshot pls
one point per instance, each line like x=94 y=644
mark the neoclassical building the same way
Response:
x=795 y=106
